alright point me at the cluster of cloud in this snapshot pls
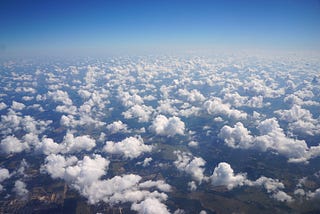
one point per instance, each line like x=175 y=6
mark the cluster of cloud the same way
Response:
x=216 y=107
x=90 y=102
x=191 y=165
x=86 y=177
x=272 y=137
x=164 y=126
x=224 y=175
x=300 y=120
x=130 y=147
x=4 y=174
x=117 y=126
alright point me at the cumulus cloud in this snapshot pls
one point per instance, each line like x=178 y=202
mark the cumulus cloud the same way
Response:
x=4 y=174
x=85 y=176
x=192 y=96
x=191 y=165
x=236 y=137
x=300 y=120
x=145 y=162
x=60 y=96
x=150 y=206
x=3 y=106
x=130 y=147
x=76 y=144
x=272 y=137
x=142 y=112
x=17 y=106
x=216 y=107
x=11 y=144
x=164 y=126
x=117 y=126
x=20 y=188
x=129 y=100
x=223 y=175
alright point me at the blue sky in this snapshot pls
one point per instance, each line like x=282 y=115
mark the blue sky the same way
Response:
x=58 y=26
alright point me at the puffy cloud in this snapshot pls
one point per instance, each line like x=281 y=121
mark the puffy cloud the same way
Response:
x=142 y=112
x=271 y=137
x=117 y=126
x=145 y=162
x=192 y=96
x=192 y=186
x=300 y=120
x=13 y=122
x=130 y=147
x=48 y=146
x=20 y=188
x=67 y=109
x=85 y=176
x=236 y=137
x=60 y=96
x=84 y=120
x=271 y=185
x=159 y=184
x=282 y=196
x=129 y=100
x=76 y=144
x=166 y=107
x=3 y=106
x=4 y=174
x=162 y=125
x=191 y=165
x=193 y=143
x=223 y=175
x=17 y=106
x=11 y=144
x=55 y=165
x=315 y=194
x=150 y=206
x=217 y=107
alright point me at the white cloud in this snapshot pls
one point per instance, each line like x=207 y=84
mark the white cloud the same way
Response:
x=192 y=186
x=272 y=137
x=192 y=96
x=165 y=107
x=145 y=162
x=193 y=143
x=215 y=106
x=48 y=146
x=11 y=144
x=17 y=106
x=117 y=126
x=282 y=196
x=60 y=96
x=142 y=112
x=129 y=100
x=300 y=120
x=3 y=106
x=130 y=147
x=315 y=194
x=223 y=175
x=20 y=188
x=150 y=206
x=191 y=165
x=76 y=144
x=162 y=125
x=4 y=174
x=236 y=137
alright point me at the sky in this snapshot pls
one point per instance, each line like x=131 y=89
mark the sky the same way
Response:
x=45 y=26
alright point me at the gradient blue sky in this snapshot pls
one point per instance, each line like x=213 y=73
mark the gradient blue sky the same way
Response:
x=71 y=26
